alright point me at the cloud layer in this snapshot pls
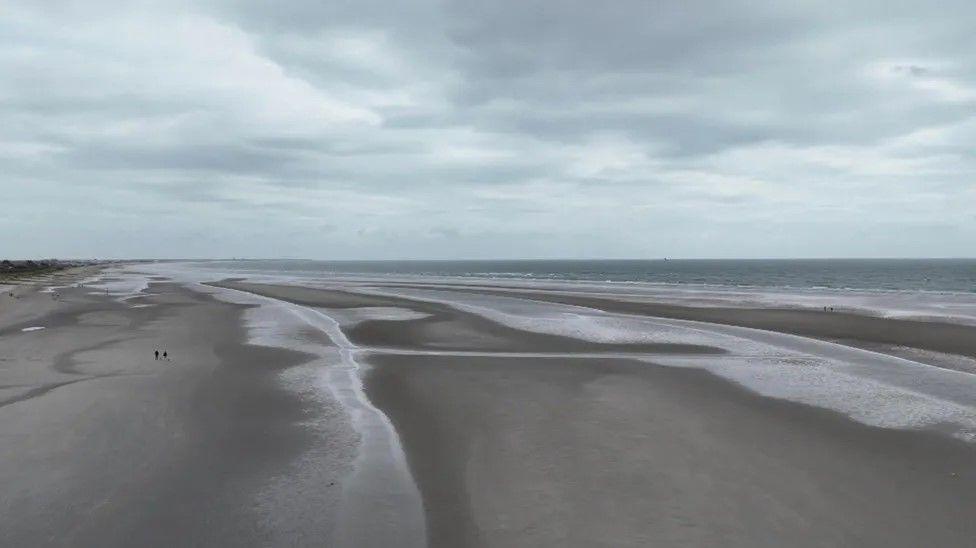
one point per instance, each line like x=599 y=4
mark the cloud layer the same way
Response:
x=467 y=129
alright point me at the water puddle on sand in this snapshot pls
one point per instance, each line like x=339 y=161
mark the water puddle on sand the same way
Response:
x=120 y=283
x=872 y=388
x=381 y=504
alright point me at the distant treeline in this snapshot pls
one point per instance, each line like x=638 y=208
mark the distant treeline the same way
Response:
x=45 y=265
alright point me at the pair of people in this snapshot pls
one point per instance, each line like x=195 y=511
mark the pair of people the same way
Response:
x=165 y=355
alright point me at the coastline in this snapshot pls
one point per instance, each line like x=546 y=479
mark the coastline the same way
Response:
x=528 y=449
x=886 y=335
x=523 y=421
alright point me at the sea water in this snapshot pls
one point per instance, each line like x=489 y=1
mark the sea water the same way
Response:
x=931 y=275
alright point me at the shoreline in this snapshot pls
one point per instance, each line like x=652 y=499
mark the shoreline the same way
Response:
x=839 y=374
x=488 y=431
x=884 y=335
x=444 y=328
x=512 y=434
x=926 y=341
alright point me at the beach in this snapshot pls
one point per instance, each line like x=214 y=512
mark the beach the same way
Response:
x=105 y=446
x=358 y=412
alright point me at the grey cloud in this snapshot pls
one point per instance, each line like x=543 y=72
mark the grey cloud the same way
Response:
x=507 y=128
x=913 y=70
x=221 y=158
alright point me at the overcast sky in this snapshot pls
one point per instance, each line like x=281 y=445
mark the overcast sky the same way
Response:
x=474 y=129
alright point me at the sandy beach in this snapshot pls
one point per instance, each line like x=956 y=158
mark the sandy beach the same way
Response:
x=347 y=413
x=517 y=452
x=105 y=446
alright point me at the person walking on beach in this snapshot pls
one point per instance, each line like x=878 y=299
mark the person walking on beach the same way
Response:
x=157 y=354
x=165 y=355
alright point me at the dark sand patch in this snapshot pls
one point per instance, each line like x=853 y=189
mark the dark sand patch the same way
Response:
x=554 y=452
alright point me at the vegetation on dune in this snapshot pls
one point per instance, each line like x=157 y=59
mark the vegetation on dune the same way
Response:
x=16 y=271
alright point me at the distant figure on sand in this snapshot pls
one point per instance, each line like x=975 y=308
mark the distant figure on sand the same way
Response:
x=157 y=354
x=165 y=356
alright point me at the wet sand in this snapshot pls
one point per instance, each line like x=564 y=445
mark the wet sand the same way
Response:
x=104 y=446
x=445 y=328
x=543 y=451
x=889 y=335
x=514 y=438
x=550 y=452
